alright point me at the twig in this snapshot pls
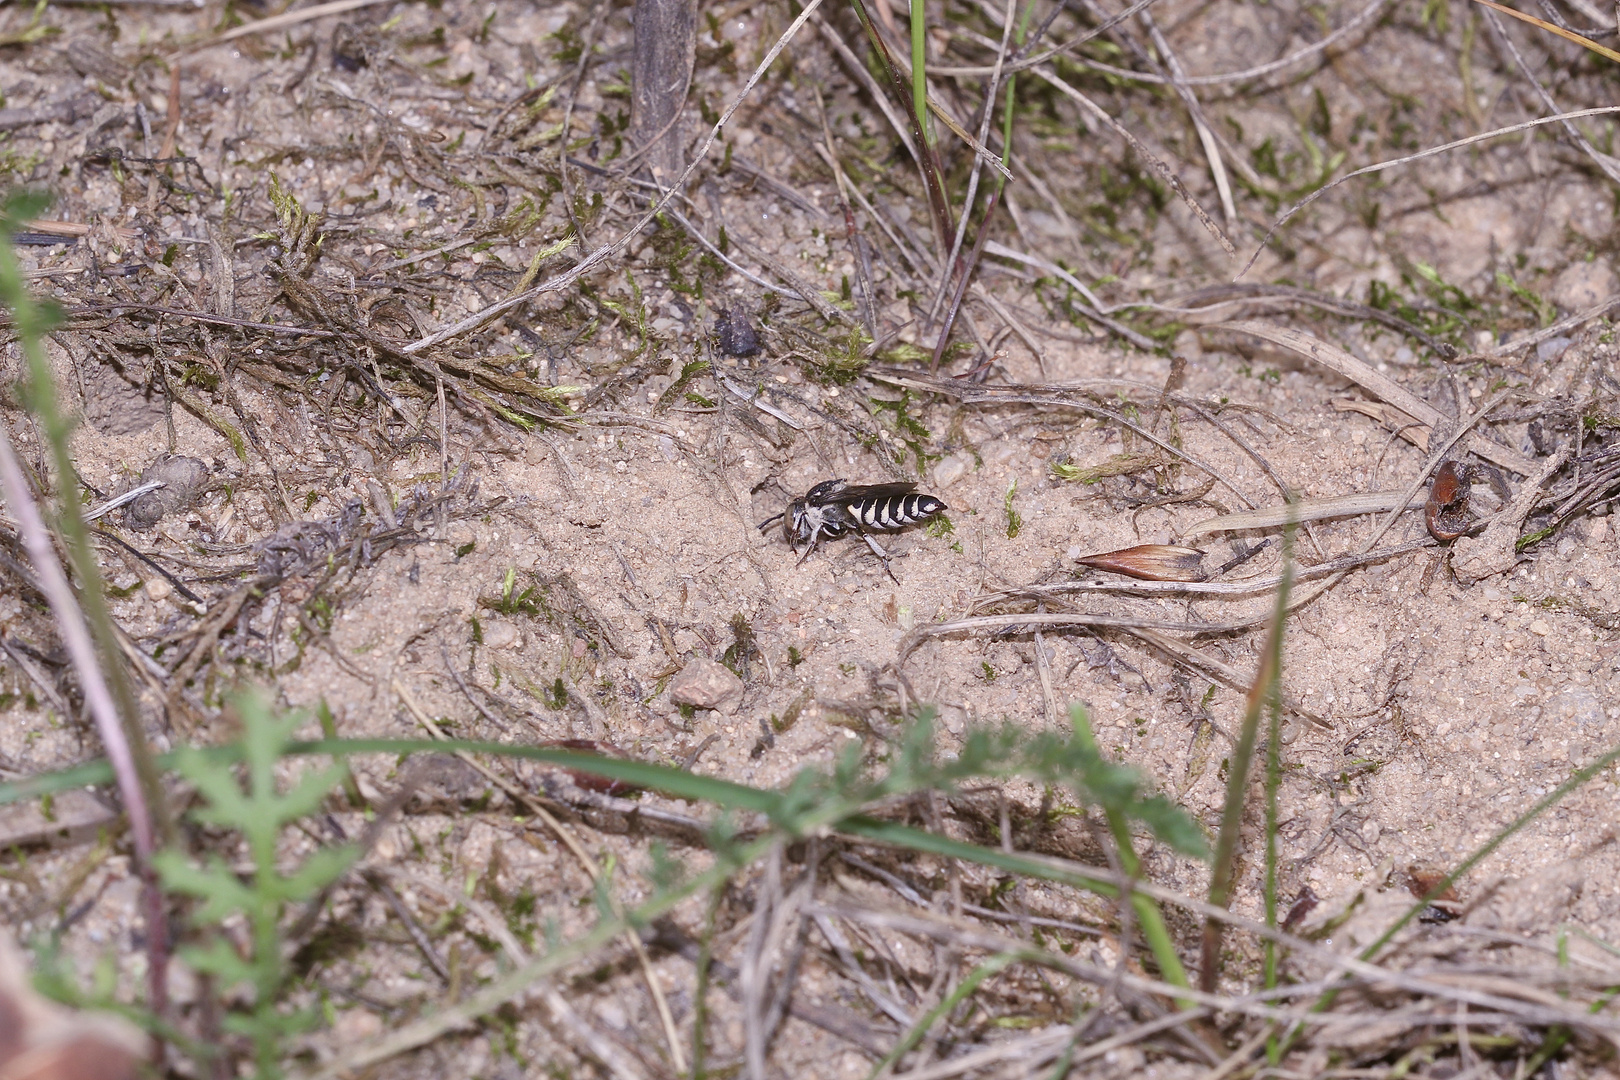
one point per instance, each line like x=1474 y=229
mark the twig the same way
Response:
x=1265 y=691
x=1206 y=138
x=1333 y=506
x=47 y=689
x=1432 y=151
x=203 y=317
x=1223 y=673
x=1605 y=163
x=413 y=928
x=909 y=643
x=754 y=973
x=980 y=395
x=1167 y=174
x=1367 y=15
x=602 y=254
x=1032 y=1051
x=285 y=19
x=103 y=509
x=1378 y=384
x=566 y=835
x=1208 y=299
x=179 y=586
x=1213 y=588
x=450 y=666
x=965 y=934
x=960 y=235
x=857 y=243
x=1025 y=63
x=1043 y=668
x=1552 y=330
x=1093 y=309
x=98 y=699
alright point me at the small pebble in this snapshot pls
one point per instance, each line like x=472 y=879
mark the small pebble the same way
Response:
x=1552 y=349
x=1540 y=627
x=950 y=471
x=500 y=635
x=735 y=334
x=705 y=684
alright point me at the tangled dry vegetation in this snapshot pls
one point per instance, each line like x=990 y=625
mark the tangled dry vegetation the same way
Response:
x=416 y=374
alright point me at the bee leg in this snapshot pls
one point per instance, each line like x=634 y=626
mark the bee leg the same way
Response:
x=815 y=538
x=880 y=553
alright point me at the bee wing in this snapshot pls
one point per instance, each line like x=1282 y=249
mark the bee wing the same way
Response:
x=874 y=491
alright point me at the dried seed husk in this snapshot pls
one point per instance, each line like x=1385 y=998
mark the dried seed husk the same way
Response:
x=1151 y=562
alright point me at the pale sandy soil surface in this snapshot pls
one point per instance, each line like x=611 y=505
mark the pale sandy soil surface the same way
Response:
x=1430 y=712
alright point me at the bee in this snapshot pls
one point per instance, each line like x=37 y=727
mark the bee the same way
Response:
x=833 y=508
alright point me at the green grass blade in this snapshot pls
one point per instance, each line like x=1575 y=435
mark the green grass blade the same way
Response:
x=1273 y=790
x=1547 y=802
x=1148 y=916
x=919 y=69
x=928 y=163
x=1267 y=684
x=992 y=966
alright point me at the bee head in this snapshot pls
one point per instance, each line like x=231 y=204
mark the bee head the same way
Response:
x=796 y=524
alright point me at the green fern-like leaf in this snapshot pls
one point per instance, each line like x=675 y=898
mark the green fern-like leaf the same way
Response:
x=247 y=798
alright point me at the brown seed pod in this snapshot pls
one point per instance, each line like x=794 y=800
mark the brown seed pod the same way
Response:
x=1446 y=511
x=1151 y=562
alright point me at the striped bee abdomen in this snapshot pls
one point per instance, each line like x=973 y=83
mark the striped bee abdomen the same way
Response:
x=887 y=513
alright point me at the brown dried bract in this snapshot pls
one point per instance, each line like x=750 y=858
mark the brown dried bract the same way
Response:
x=1151 y=562
x=1304 y=904
x=1421 y=880
x=1446 y=510
x=590 y=781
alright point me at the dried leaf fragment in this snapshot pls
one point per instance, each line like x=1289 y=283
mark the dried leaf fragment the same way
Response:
x=1421 y=880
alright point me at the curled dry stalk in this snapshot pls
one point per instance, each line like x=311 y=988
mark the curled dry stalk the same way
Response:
x=86 y=625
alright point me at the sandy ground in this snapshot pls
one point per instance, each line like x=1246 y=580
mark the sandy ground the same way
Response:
x=1441 y=710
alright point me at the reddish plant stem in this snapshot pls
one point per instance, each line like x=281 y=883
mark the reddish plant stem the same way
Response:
x=98 y=698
